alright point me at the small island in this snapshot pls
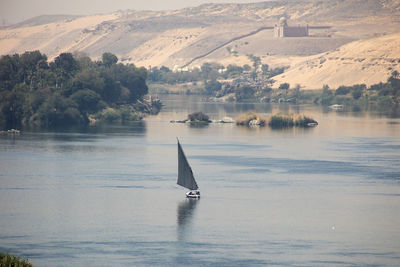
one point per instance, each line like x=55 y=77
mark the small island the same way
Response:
x=196 y=117
x=250 y=119
x=279 y=120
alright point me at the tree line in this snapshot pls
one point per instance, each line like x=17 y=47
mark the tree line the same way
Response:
x=385 y=94
x=67 y=91
x=211 y=71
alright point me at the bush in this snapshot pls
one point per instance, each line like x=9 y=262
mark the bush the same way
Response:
x=357 y=93
x=212 y=87
x=108 y=115
x=12 y=260
x=303 y=121
x=87 y=100
x=357 y=90
x=326 y=100
x=281 y=121
x=250 y=119
x=128 y=114
x=245 y=92
x=284 y=86
x=124 y=114
x=57 y=111
x=198 y=117
x=284 y=121
x=72 y=116
x=342 y=90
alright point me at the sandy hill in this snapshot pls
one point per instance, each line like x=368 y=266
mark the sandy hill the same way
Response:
x=174 y=38
x=361 y=62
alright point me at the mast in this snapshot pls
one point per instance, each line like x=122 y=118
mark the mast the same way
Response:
x=185 y=174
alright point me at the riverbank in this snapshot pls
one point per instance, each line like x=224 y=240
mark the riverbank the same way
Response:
x=383 y=98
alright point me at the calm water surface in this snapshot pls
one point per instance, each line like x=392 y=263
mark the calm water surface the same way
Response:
x=107 y=196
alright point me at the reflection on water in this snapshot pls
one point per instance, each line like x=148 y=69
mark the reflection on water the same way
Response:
x=196 y=125
x=176 y=107
x=185 y=211
x=185 y=214
x=83 y=134
x=132 y=128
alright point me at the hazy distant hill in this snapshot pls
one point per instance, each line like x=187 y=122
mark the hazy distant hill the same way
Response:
x=174 y=38
x=44 y=19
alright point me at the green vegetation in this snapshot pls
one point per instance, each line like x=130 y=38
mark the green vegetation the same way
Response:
x=251 y=119
x=276 y=121
x=245 y=93
x=382 y=95
x=284 y=120
x=165 y=75
x=120 y=115
x=212 y=87
x=284 y=86
x=212 y=76
x=256 y=60
x=7 y=260
x=198 y=117
x=195 y=118
x=70 y=91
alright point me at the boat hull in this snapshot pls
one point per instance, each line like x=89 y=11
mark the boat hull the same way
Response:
x=193 y=194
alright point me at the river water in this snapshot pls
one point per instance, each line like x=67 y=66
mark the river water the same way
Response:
x=107 y=196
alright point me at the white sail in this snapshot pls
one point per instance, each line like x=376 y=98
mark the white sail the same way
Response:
x=185 y=174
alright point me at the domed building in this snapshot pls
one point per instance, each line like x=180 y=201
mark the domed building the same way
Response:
x=282 y=21
x=283 y=30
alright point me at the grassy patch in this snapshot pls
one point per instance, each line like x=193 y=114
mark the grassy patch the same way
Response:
x=289 y=120
x=276 y=121
x=250 y=119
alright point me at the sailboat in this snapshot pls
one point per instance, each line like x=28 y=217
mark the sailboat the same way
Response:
x=185 y=175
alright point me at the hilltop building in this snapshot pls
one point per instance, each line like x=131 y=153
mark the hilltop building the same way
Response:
x=283 y=30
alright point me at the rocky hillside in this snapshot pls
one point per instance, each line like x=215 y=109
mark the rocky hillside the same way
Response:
x=174 y=38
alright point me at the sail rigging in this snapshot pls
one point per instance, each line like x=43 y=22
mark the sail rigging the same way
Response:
x=185 y=174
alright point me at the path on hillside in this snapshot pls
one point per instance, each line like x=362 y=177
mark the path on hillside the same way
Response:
x=228 y=42
x=241 y=37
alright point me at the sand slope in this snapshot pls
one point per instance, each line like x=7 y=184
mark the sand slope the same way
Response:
x=365 y=61
x=68 y=35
